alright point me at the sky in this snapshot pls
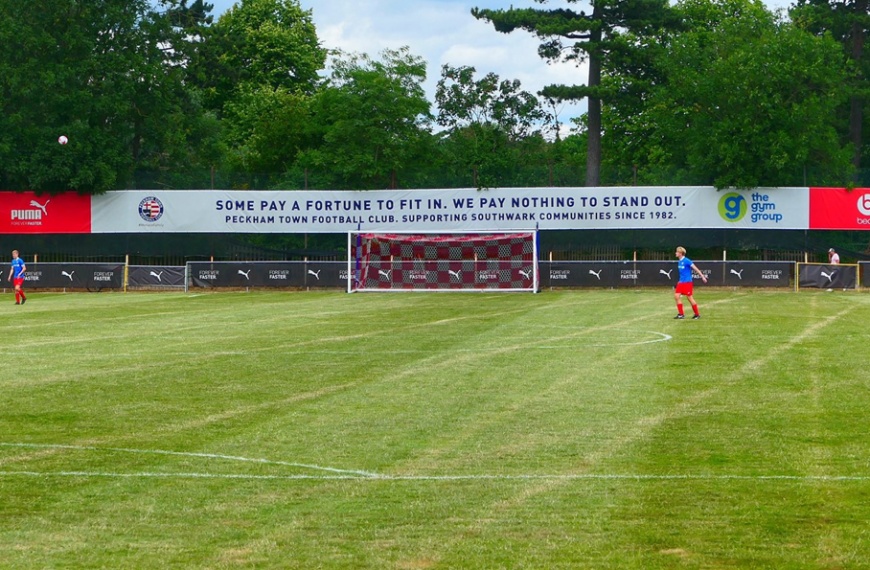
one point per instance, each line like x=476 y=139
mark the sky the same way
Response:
x=444 y=32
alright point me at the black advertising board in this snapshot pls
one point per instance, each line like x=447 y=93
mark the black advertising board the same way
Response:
x=91 y=276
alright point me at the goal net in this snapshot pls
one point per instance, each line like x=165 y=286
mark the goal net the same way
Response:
x=442 y=262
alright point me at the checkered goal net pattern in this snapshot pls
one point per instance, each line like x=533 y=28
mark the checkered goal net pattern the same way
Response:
x=444 y=262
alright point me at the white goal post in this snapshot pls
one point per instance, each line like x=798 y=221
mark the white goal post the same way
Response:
x=479 y=261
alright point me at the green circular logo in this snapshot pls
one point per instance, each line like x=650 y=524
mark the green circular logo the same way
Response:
x=732 y=207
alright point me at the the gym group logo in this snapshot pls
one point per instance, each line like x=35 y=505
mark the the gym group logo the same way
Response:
x=864 y=208
x=150 y=209
x=733 y=207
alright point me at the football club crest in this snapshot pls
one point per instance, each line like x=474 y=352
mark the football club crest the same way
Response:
x=150 y=209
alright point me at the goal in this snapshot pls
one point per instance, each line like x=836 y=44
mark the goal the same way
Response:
x=442 y=262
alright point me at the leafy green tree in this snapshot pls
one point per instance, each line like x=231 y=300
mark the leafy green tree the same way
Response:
x=259 y=44
x=177 y=138
x=371 y=119
x=464 y=101
x=266 y=128
x=98 y=72
x=744 y=100
x=569 y=35
x=487 y=122
x=849 y=24
x=568 y=160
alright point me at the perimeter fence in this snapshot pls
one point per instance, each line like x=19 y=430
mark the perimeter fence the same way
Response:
x=313 y=275
x=554 y=245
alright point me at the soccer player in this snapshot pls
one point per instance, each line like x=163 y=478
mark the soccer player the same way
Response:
x=16 y=275
x=684 y=284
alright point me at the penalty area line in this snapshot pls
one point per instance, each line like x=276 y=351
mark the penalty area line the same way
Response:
x=332 y=473
x=189 y=454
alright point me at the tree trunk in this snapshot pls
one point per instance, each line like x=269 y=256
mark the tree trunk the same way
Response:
x=856 y=112
x=593 y=150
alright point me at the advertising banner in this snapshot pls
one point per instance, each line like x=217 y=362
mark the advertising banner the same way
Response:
x=616 y=274
x=324 y=274
x=92 y=276
x=504 y=209
x=824 y=276
x=246 y=274
x=29 y=213
x=753 y=273
x=155 y=276
x=294 y=274
x=580 y=274
x=839 y=209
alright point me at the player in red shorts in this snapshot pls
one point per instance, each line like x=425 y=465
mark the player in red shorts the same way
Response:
x=684 y=284
x=16 y=275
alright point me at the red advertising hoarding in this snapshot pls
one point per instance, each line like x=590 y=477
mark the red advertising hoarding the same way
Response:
x=29 y=213
x=839 y=209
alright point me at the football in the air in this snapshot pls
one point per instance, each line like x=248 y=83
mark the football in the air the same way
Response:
x=62 y=139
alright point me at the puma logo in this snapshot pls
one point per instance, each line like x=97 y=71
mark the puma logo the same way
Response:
x=42 y=207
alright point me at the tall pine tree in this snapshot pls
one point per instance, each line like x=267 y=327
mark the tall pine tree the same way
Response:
x=569 y=35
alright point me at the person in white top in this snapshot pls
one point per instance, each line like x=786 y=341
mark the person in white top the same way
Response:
x=833 y=258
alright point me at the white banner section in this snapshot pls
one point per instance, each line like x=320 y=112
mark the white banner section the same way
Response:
x=503 y=209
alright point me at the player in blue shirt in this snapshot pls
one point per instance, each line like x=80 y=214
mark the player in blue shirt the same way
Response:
x=684 y=284
x=16 y=275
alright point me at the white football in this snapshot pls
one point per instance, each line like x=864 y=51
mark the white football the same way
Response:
x=62 y=139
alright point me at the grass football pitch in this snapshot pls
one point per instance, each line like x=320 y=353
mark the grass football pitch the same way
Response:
x=568 y=429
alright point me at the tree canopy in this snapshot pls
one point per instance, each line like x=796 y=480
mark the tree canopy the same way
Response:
x=260 y=43
x=96 y=72
x=848 y=23
x=718 y=92
x=743 y=100
x=371 y=117
x=579 y=36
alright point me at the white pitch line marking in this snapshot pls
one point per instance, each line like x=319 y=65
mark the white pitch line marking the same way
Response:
x=188 y=454
x=359 y=475
x=663 y=337
x=376 y=477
